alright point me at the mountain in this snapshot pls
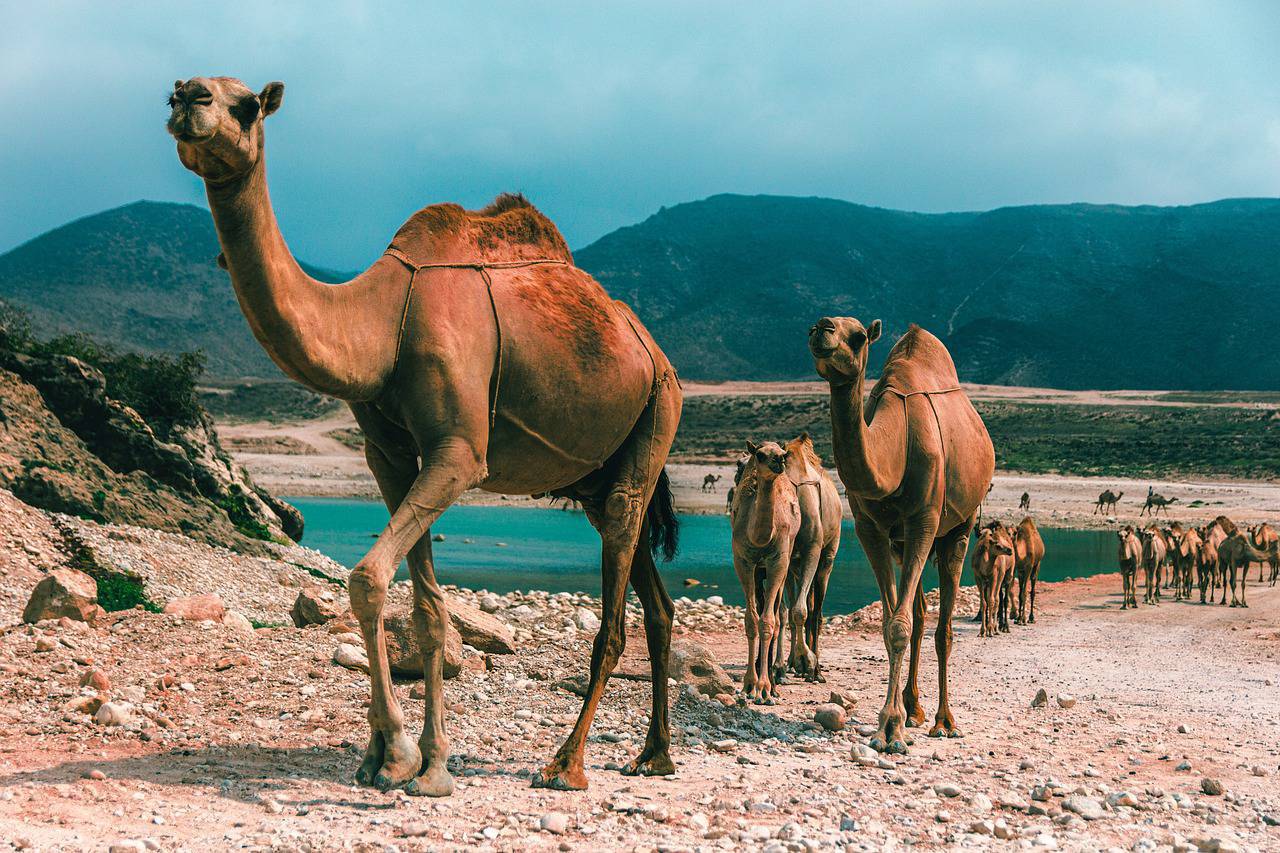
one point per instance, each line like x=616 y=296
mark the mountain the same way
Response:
x=1070 y=296
x=143 y=277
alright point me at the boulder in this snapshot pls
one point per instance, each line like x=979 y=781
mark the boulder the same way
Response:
x=481 y=630
x=197 y=608
x=830 y=716
x=316 y=605
x=693 y=664
x=239 y=623
x=351 y=657
x=404 y=652
x=64 y=592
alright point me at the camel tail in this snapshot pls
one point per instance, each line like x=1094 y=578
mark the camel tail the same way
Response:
x=664 y=526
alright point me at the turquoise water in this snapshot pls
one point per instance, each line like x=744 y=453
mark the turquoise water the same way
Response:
x=514 y=548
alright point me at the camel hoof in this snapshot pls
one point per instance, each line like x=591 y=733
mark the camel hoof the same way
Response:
x=916 y=719
x=433 y=783
x=655 y=765
x=878 y=744
x=399 y=763
x=944 y=730
x=897 y=747
x=560 y=780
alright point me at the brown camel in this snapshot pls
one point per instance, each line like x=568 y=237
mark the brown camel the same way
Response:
x=473 y=354
x=1028 y=552
x=1234 y=556
x=1264 y=538
x=1024 y=503
x=1186 y=557
x=1207 y=565
x=813 y=555
x=1130 y=556
x=915 y=462
x=1215 y=534
x=1155 y=503
x=709 y=482
x=992 y=564
x=1154 y=550
x=1107 y=501
x=765 y=521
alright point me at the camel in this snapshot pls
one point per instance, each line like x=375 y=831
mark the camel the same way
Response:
x=915 y=461
x=1264 y=538
x=709 y=482
x=1024 y=503
x=1214 y=535
x=1172 y=533
x=1107 y=500
x=1154 y=549
x=812 y=556
x=992 y=564
x=1028 y=552
x=1130 y=557
x=1234 y=556
x=1207 y=564
x=473 y=353
x=1155 y=503
x=765 y=521
x=1186 y=557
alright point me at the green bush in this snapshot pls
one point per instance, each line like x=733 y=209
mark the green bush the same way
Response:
x=236 y=506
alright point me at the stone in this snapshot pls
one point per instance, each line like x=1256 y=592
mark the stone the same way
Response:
x=695 y=665
x=63 y=592
x=404 y=652
x=1184 y=729
x=438 y=537
x=239 y=623
x=197 y=608
x=97 y=679
x=127 y=846
x=1066 y=700
x=982 y=827
x=316 y=605
x=1211 y=786
x=980 y=803
x=830 y=716
x=1217 y=845
x=113 y=714
x=481 y=630
x=844 y=700
x=556 y=823
x=1041 y=699
x=1122 y=798
x=946 y=789
x=586 y=620
x=352 y=657
x=1087 y=807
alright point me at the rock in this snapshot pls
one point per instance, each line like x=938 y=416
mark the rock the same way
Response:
x=982 y=827
x=197 y=608
x=1217 y=845
x=63 y=592
x=1041 y=700
x=97 y=679
x=844 y=700
x=239 y=623
x=693 y=664
x=316 y=605
x=352 y=657
x=556 y=823
x=46 y=644
x=1087 y=807
x=1184 y=729
x=438 y=537
x=490 y=603
x=830 y=716
x=1041 y=793
x=1122 y=798
x=113 y=714
x=946 y=789
x=585 y=619
x=1211 y=786
x=127 y=846
x=715 y=600
x=943 y=816
x=404 y=653
x=481 y=630
x=980 y=803
x=1066 y=700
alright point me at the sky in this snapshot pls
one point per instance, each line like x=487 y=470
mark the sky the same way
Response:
x=602 y=113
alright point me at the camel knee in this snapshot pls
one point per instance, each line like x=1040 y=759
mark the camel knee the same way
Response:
x=898 y=633
x=367 y=591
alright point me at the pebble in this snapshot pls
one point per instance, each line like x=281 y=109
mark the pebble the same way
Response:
x=980 y=803
x=982 y=827
x=1184 y=729
x=1041 y=699
x=351 y=657
x=830 y=716
x=113 y=714
x=1211 y=786
x=556 y=823
x=946 y=789
x=1087 y=807
x=129 y=846
x=1066 y=700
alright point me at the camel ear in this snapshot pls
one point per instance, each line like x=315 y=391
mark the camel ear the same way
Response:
x=752 y=447
x=271 y=96
x=177 y=84
x=797 y=469
x=873 y=332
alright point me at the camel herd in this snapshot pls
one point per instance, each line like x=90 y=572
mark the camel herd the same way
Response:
x=474 y=354
x=1214 y=557
x=1002 y=554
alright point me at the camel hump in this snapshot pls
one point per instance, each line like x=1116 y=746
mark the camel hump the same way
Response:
x=509 y=229
x=919 y=362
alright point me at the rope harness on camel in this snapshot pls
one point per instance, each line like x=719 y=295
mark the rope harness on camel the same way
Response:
x=483 y=268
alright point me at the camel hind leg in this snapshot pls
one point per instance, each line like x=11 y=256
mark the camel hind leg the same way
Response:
x=949 y=556
x=655 y=758
x=813 y=625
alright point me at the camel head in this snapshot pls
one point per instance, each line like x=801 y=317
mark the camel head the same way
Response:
x=770 y=459
x=217 y=122
x=840 y=346
x=990 y=545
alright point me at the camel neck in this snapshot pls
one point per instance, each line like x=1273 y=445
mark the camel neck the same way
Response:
x=869 y=457
x=315 y=333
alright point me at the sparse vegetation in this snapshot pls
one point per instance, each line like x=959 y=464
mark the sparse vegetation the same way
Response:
x=277 y=401
x=237 y=509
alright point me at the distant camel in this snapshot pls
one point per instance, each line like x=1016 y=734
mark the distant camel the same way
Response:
x=1130 y=555
x=992 y=563
x=1155 y=503
x=1028 y=552
x=1154 y=549
x=709 y=482
x=1215 y=533
x=1107 y=500
x=1186 y=557
x=1235 y=554
x=1207 y=565
x=737 y=478
x=1024 y=505
x=1264 y=538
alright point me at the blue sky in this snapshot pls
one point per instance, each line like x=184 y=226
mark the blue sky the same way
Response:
x=603 y=112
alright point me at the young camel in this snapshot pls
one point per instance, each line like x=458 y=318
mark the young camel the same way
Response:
x=813 y=555
x=1264 y=538
x=1130 y=556
x=916 y=461
x=1107 y=501
x=473 y=354
x=1154 y=549
x=1028 y=552
x=765 y=520
x=992 y=564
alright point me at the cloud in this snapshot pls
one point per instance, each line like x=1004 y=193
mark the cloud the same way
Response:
x=604 y=112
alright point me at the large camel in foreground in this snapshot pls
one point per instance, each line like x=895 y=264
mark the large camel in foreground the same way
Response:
x=473 y=354
x=916 y=461
x=1130 y=555
x=765 y=519
x=1028 y=553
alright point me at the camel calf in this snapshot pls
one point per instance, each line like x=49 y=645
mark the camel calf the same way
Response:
x=1028 y=551
x=992 y=563
x=1130 y=555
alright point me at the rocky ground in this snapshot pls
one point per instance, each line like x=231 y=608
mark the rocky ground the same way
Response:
x=1160 y=731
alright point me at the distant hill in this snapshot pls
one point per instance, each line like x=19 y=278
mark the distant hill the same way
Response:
x=144 y=277
x=1070 y=296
